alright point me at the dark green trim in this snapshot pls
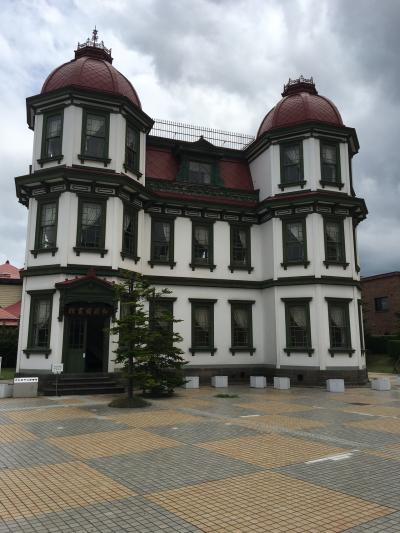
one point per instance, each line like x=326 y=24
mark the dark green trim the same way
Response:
x=328 y=262
x=235 y=265
x=103 y=203
x=283 y=182
x=209 y=225
x=40 y=203
x=344 y=303
x=83 y=156
x=247 y=305
x=305 y=303
x=285 y=222
x=356 y=265
x=125 y=253
x=46 y=116
x=324 y=181
x=209 y=304
x=36 y=296
x=154 y=260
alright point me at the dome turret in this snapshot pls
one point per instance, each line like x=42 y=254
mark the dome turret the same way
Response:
x=301 y=103
x=91 y=70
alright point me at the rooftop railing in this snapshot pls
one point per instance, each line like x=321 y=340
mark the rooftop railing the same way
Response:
x=187 y=132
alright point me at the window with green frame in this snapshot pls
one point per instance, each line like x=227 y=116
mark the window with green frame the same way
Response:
x=361 y=326
x=292 y=173
x=159 y=310
x=330 y=164
x=335 y=251
x=46 y=227
x=39 y=322
x=132 y=145
x=199 y=171
x=162 y=242
x=130 y=233
x=294 y=242
x=95 y=132
x=240 y=248
x=52 y=137
x=202 y=245
x=298 y=326
x=202 y=326
x=339 y=326
x=241 y=326
x=91 y=226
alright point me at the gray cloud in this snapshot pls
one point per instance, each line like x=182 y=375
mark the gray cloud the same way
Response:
x=221 y=64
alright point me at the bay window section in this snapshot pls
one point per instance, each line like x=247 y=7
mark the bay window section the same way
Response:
x=95 y=132
x=52 y=138
x=291 y=155
x=241 y=326
x=46 y=227
x=240 y=248
x=202 y=326
x=132 y=144
x=130 y=233
x=339 y=326
x=330 y=164
x=39 y=322
x=294 y=242
x=91 y=226
x=298 y=326
x=202 y=245
x=162 y=242
x=335 y=253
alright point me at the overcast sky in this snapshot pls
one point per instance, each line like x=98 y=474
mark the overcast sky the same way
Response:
x=220 y=64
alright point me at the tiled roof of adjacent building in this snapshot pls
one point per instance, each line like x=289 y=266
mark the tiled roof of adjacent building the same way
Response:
x=8 y=271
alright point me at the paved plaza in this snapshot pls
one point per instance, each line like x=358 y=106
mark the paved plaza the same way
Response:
x=301 y=460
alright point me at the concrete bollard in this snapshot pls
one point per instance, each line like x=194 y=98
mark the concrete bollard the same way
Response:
x=380 y=384
x=258 y=382
x=192 y=382
x=281 y=383
x=219 y=381
x=335 y=385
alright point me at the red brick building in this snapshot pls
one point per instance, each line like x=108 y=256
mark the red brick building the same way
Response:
x=381 y=303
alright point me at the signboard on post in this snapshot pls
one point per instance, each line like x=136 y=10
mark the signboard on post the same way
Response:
x=57 y=368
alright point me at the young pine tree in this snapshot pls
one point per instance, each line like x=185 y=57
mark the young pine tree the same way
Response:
x=147 y=344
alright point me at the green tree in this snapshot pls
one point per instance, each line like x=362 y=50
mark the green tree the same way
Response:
x=146 y=346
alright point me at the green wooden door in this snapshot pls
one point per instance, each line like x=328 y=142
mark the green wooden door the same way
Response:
x=75 y=345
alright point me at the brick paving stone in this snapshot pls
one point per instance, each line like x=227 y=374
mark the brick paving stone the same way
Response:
x=266 y=502
x=30 y=453
x=196 y=433
x=73 y=426
x=353 y=436
x=329 y=415
x=134 y=515
x=170 y=468
x=385 y=524
x=363 y=475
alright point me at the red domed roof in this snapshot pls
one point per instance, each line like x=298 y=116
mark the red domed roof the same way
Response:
x=300 y=103
x=92 y=70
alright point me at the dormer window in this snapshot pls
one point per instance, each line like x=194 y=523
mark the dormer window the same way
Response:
x=95 y=127
x=292 y=165
x=131 y=149
x=52 y=137
x=200 y=172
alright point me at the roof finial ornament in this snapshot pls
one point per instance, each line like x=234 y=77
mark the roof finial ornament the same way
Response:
x=301 y=84
x=94 y=36
x=94 y=46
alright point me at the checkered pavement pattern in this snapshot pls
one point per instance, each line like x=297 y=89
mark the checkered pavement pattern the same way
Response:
x=298 y=460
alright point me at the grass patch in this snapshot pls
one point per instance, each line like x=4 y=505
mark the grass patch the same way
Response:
x=125 y=403
x=380 y=363
x=7 y=373
x=226 y=396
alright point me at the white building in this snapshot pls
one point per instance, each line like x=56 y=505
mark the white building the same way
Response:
x=256 y=237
